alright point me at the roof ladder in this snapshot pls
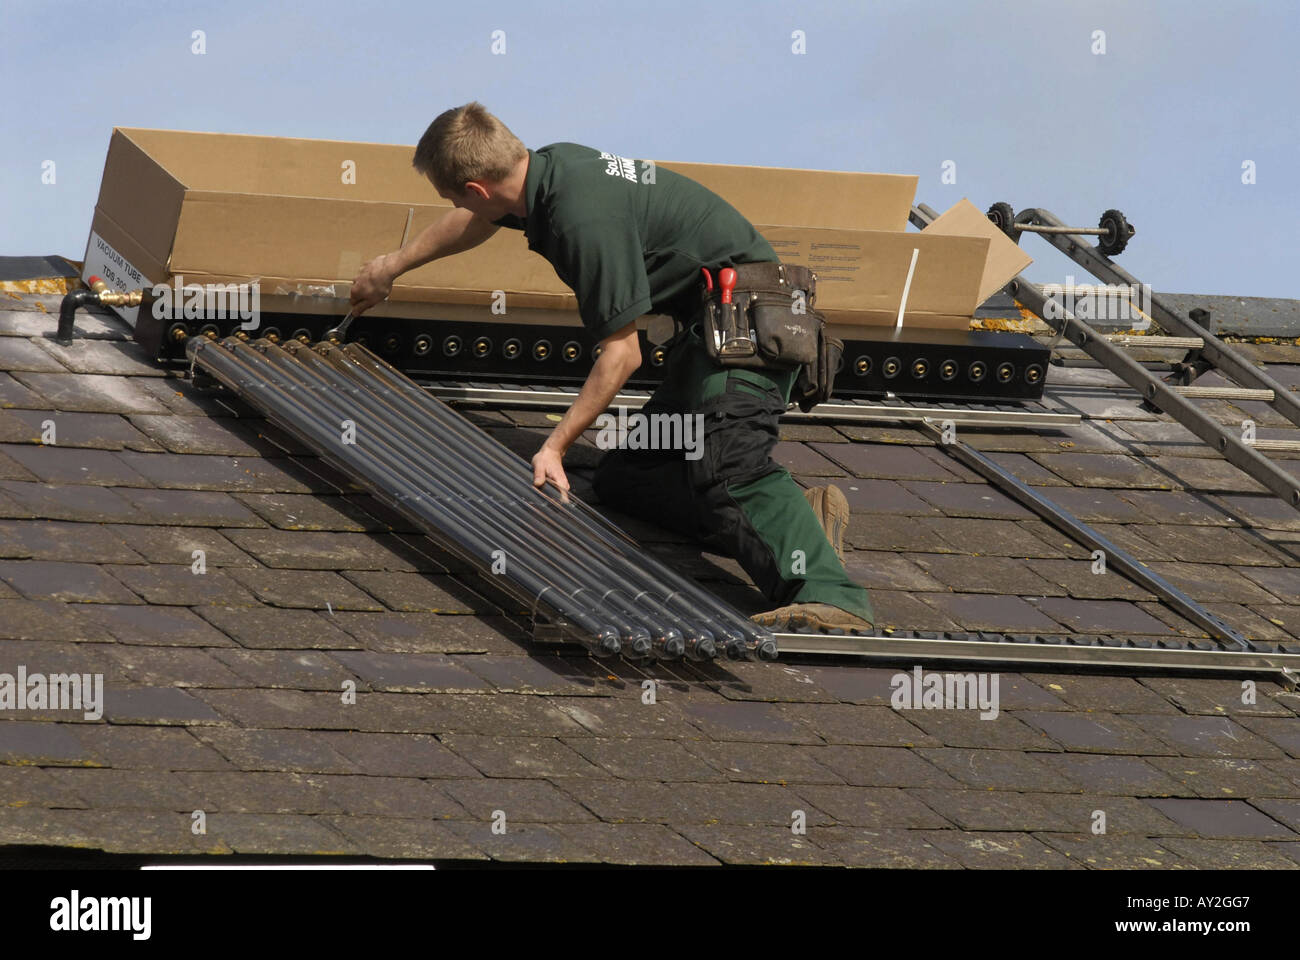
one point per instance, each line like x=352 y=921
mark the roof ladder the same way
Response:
x=1175 y=399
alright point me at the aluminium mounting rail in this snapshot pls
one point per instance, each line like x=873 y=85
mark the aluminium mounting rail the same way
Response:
x=553 y=554
x=1025 y=651
x=1155 y=391
x=855 y=411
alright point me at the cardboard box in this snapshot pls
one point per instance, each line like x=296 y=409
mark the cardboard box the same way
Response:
x=301 y=216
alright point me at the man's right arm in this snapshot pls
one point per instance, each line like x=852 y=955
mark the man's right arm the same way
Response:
x=458 y=231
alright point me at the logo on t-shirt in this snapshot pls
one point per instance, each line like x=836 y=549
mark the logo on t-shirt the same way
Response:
x=619 y=166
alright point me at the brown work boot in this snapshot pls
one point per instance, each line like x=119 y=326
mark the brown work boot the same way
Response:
x=818 y=617
x=832 y=509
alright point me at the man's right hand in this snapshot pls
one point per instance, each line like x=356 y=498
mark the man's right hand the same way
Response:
x=373 y=284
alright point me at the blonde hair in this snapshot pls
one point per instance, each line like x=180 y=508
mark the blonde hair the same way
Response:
x=467 y=143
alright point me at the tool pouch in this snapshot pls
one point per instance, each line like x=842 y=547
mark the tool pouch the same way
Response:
x=815 y=381
x=770 y=323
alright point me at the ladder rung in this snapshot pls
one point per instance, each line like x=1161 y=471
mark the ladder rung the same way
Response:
x=1274 y=444
x=1225 y=393
x=1129 y=340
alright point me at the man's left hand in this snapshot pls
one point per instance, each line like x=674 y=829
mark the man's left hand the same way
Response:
x=548 y=464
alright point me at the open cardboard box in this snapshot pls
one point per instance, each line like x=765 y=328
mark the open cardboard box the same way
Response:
x=301 y=216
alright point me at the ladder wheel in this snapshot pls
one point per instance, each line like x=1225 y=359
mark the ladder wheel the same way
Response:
x=1117 y=233
x=1002 y=216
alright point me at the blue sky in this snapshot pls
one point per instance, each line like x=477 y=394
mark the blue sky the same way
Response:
x=1158 y=126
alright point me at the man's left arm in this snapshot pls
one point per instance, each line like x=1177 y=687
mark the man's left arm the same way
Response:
x=604 y=261
x=619 y=359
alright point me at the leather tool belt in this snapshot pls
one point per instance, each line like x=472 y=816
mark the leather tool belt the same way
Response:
x=766 y=321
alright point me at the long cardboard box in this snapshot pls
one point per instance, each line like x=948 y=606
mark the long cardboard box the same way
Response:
x=301 y=216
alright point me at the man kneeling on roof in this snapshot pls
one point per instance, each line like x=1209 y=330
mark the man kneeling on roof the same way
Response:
x=628 y=248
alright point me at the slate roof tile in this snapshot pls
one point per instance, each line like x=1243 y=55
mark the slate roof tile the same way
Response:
x=391 y=632
x=180 y=584
x=537 y=757
x=1115 y=815
x=994 y=575
x=90 y=393
x=999 y=850
x=420 y=593
x=877 y=569
x=864 y=766
x=305 y=511
x=269 y=627
x=38 y=787
x=89 y=504
x=404 y=839
x=399 y=755
x=1208 y=736
x=155 y=669
x=693 y=803
x=872 y=807
x=1207 y=854
x=525 y=801
x=999 y=769
x=416 y=673
x=60 y=540
x=1218 y=779
x=842 y=723
x=884 y=461
x=666 y=759
x=1097 y=732
x=968 y=500
x=284 y=834
x=1113 y=853
x=976 y=810
x=1223 y=819
x=67 y=582
x=885 y=848
x=900 y=610
x=303 y=589
x=174 y=471
x=978 y=611
x=115 y=357
x=1101 y=616
x=200 y=508
x=634 y=844
x=752 y=847
x=1250 y=698
x=170 y=545
x=146 y=748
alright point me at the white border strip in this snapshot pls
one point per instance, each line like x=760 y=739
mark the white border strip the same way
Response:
x=907 y=286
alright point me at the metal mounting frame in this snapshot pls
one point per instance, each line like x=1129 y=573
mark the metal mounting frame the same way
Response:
x=1024 y=655
x=1125 y=562
x=856 y=412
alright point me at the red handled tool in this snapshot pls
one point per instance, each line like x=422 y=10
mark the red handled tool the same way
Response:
x=727 y=281
x=735 y=342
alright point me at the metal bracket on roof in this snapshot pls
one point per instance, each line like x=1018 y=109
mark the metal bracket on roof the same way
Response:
x=1178 y=655
x=855 y=411
x=1063 y=520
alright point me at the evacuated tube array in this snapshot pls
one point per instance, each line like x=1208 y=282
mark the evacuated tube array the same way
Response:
x=554 y=554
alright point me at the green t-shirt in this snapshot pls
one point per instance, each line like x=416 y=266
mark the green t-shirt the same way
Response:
x=627 y=247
